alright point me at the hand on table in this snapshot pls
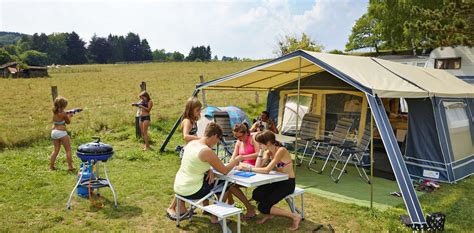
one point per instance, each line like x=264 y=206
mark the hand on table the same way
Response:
x=239 y=158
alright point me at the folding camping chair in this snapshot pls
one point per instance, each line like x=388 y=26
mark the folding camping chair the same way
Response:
x=354 y=152
x=228 y=141
x=337 y=138
x=308 y=130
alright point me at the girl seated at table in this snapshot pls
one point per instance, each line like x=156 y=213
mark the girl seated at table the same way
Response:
x=195 y=179
x=278 y=158
x=248 y=148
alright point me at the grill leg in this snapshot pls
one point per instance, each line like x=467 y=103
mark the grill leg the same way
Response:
x=111 y=187
x=74 y=189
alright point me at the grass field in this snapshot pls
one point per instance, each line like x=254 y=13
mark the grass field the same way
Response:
x=34 y=199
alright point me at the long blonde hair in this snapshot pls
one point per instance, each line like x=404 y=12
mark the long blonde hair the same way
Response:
x=60 y=103
x=191 y=104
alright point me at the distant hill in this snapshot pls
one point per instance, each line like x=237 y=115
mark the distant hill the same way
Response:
x=9 y=37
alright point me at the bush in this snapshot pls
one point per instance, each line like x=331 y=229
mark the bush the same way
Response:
x=5 y=56
x=34 y=58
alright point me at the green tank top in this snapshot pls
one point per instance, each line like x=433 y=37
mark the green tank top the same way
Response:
x=190 y=176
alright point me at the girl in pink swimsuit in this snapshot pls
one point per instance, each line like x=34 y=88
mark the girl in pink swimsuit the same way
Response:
x=247 y=147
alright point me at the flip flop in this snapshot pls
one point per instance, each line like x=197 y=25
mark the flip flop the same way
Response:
x=172 y=217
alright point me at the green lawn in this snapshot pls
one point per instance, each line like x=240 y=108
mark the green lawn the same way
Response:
x=33 y=198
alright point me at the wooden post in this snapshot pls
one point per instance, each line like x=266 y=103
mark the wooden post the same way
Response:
x=138 y=132
x=54 y=92
x=204 y=102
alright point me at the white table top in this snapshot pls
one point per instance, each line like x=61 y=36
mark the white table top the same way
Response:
x=253 y=181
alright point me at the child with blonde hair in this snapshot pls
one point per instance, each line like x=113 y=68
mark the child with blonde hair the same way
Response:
x=59 y=133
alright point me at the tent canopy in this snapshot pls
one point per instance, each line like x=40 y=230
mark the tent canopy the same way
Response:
x=371 y=75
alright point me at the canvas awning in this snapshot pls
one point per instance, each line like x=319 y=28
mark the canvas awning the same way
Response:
x=371 y=75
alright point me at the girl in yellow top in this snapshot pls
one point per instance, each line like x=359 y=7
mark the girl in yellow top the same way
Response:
x=195 y=179
x=59 y=134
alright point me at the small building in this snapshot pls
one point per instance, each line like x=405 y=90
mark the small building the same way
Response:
x=34 y=72
x=12 y=69
x=9 y=70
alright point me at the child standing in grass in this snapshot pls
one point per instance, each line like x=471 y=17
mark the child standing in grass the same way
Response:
x=145 y=107
x=59 y=134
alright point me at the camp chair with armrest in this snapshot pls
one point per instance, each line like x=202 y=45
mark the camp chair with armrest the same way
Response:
x=326 y=149
x=228 y=140
x=354 y=152
x=309 y=128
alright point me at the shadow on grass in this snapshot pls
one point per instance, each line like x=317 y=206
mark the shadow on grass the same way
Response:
x=278 y=224
x=122 y=211
x=125 y=211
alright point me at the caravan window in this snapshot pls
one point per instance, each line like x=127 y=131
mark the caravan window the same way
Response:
x=448 y=63
x=340 y=106
x=459 y=131
x=289 y=112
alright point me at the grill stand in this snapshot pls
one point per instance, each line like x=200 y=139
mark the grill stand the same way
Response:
x=96 y=183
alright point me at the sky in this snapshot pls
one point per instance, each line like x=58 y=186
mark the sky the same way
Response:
x=245 y=29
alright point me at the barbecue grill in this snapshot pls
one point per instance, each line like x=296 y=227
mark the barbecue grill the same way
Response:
x=90 y=154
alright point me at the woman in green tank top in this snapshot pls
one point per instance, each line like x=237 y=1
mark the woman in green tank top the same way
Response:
x=195 y=178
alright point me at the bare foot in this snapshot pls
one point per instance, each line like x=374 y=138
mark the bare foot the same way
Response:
x=171 y=212
x=265 y=219
x=71 y=169
x=52 y=168
x=214 y=220
x=249 y=215
x=296 y=222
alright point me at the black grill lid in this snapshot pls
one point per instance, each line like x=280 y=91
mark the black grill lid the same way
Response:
x=94 y=148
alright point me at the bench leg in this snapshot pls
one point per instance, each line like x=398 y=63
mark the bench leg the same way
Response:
x=238 y=223
x=178 y=208
x=302 y=207
x=224 y=225
x=291 y=204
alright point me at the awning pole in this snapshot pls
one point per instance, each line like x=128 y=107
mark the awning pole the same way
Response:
x=297 y=112
x=371 y=159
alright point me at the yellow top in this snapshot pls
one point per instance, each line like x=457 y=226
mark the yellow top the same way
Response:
x=190 y=176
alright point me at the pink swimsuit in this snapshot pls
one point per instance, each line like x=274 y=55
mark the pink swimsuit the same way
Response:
x=247 y=149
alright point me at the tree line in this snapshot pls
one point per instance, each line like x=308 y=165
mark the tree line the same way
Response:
x=69 y=48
